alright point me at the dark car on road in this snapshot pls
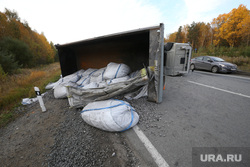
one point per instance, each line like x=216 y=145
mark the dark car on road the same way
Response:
x=211 y=63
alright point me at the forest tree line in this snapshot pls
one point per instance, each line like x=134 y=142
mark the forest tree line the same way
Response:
x=231 y=30
x=20 y=46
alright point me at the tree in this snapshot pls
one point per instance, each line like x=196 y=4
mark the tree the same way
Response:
x=19 y=51
x=38 y=45
x=7 y=62
x=232 y=26
x=205 y=34
x=56 y=57
x=244 y=30
x=171 y=37
x=3 y=25
x=193 y=34
x=185 y=33
x=217 y=24
x=11 y=15
x=179 y=36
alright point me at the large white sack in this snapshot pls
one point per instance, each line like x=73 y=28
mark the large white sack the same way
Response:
x=80 y=72
x=65 y=80
x=90 y=85
x=117 y=80
x=83 y=81
x=102 y=84
x=73 y=77
x=110 y=115
x=97 y=76
x=96 y=79
x=115 y=70
x=85 y=76
x=60 y=91
x=99 y=72
x=52 y=85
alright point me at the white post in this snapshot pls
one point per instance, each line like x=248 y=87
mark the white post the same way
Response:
x=40 y=99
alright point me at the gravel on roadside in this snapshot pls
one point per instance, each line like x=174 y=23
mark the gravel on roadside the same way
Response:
x=60 y=137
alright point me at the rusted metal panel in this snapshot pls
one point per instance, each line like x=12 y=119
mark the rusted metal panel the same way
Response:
x=156 y=55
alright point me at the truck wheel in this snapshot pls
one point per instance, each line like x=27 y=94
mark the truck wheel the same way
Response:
x=214 y=69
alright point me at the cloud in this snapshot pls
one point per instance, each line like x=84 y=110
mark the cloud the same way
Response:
x=199 y=10
x=66 y=21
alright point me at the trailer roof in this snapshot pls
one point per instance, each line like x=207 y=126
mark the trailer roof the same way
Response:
x=119 y=34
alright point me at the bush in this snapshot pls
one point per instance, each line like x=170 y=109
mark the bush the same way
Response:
x=18 y=49
x=211 y=50
x=245 y=51
x=7 y=62
x=2 y=73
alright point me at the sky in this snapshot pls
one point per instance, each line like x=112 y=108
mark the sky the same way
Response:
x=65 y=21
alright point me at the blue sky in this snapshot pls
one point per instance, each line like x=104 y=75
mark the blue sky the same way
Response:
x=64 y=21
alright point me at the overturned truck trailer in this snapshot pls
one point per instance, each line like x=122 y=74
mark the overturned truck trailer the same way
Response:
x=137 y=48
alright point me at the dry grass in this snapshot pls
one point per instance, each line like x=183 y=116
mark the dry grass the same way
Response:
x=15 y=87
x=34 y=76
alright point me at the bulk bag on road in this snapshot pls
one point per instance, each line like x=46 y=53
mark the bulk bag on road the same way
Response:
x=60 y=91
x=115 y=70
x=110 y=115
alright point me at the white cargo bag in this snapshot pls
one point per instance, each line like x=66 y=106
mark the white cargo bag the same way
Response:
x=115 y=70
x=52 y=85
x=85 y=77
x=110 y=115
x=117 y=80
x=60 y=91
x=90 y=85
x=99 y=72
x=102 y=84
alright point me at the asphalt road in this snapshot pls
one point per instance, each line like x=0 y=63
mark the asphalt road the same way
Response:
x=200 y=109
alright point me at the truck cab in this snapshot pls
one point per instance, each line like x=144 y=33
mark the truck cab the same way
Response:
x=177 y=58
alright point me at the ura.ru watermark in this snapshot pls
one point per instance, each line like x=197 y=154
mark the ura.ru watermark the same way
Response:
x=220 y=156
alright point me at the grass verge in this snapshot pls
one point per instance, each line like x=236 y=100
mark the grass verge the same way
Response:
x=15 y=87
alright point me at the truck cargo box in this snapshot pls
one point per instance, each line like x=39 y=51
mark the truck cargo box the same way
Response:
x=137 y=48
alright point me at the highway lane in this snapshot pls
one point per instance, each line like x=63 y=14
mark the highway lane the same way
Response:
x=213 y=113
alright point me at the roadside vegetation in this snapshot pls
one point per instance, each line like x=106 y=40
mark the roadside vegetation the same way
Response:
x=27 y=59
x=227 y=36
x=21 y=85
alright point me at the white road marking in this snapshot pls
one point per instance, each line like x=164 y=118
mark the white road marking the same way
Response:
x=160 y=161
x=223 y=90
x=231 y=76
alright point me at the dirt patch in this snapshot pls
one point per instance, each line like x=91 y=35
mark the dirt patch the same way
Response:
x=60 y=137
